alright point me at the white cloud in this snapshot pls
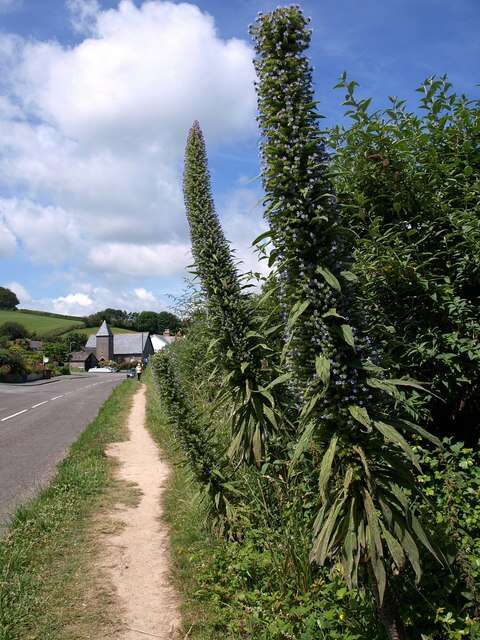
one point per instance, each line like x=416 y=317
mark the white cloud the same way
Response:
x=88 y=298
x=143 y=294
x=93 y=134
x=22 y=294
x=83 y=14
x=137 y=260
x=7 y=240
x=242 y=222
x=72 y=304
x=48 y=234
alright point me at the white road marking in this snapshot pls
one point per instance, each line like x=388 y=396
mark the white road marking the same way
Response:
x=39 y=404
x=13 y=415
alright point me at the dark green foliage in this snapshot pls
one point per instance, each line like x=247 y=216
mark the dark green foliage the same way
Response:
x=156 y=322
x=192 y=433
x=259 y=584
x=56 y=350
x=409 y=186
x=151 y=321
x=11 y=363
x=75 y=340
x=8 y=299
x=13 y=330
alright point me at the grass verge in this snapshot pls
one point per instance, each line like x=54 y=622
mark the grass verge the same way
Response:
x=48 y=589
x=190 y=542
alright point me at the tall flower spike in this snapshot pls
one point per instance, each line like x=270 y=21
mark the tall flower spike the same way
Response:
x=366 y=468
x=239 y=346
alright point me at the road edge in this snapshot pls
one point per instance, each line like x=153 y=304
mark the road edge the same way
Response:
x=46 y=554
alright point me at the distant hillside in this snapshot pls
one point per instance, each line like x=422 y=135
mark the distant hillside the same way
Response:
x=43 y=324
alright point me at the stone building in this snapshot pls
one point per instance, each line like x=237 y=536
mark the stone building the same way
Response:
x=119 y=347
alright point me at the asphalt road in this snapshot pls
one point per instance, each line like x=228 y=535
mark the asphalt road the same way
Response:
x=38 y=423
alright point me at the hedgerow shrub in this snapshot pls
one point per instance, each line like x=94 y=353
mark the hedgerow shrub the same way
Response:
x=408 y=184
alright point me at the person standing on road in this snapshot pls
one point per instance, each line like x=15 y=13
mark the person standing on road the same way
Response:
x=138 y=370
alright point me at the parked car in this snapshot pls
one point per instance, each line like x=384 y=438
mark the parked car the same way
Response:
x=102 y=370
x=130 y=373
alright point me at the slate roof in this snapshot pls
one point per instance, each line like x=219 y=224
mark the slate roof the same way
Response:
x=35 y=345
x=80 y=356
x=123 y=343
x=104 y=330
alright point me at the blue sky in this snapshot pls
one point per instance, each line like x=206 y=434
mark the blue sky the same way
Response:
x=95 y=101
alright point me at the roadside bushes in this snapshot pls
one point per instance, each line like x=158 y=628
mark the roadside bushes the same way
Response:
x=11 y=363
x=408 y=186
x=193 y=436
x=13 y=330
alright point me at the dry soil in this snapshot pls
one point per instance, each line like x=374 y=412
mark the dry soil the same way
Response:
x=137 y=555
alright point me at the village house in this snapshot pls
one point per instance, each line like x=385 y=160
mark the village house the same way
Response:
x=160 y=340
x=119 y=347
x=83 y=361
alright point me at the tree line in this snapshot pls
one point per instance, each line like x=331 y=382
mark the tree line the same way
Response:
x=151 y=321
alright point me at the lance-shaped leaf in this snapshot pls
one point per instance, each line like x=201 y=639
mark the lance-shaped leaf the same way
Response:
x=329 y=278
x=326 y=466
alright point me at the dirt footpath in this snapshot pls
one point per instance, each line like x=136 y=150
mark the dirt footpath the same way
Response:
x=137 y=557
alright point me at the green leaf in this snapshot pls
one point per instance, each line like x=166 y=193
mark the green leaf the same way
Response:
x=411 y=426
x=257 y=445
x=373 y=521
x=392 y=435
x=347 y=334
x=297 y=310
x=280 y=380
x=360 y=414
x=262 y=236
x=303 y=442
x=322 y=367
x=326 y=466
x=329 y=277
x=253 y=334
x=323 y=541
x=394 y=547
x=348 y=275
x=332 y=313
x=411 y=550
x=270 y=415
x=350 y=544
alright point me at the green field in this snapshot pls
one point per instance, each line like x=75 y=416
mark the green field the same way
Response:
x=51 y=325
x=42 y=325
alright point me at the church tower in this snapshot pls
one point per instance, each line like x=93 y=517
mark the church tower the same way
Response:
x=104 y=342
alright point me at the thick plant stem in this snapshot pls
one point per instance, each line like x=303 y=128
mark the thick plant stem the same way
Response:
x=388 y=609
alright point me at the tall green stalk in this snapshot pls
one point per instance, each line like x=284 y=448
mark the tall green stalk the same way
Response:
x=367 y=468
x=238 y=345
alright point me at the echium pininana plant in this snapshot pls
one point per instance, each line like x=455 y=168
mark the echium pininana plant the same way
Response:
x=366 y=468
x=250 y=385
